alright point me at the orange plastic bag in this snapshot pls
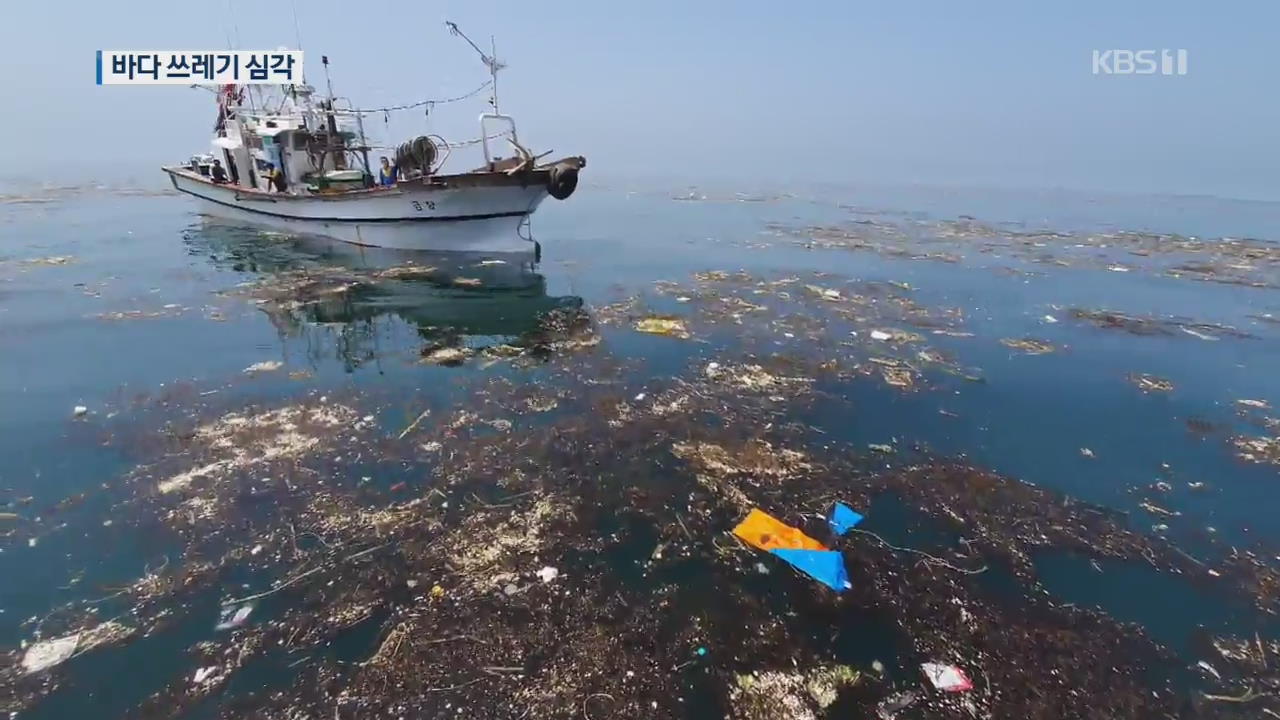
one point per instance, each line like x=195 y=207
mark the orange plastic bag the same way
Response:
x=766 y=532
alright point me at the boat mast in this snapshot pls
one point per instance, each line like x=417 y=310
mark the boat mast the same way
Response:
x=490 y=61
x=493 y=70
x=332 y=125
x=333 y=121
x=364 y=144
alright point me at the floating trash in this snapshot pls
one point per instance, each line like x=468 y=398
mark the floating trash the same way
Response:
x=843 y=518
x=898 y=377
x=825 y=566
x=793 y=694
x=802 y=552
x=668 y=326
x=761 y=530
x=49 y=653
x=447 y=356
x=51 y=260
x=947 y=678
x=265 y=366
x=1150 y=325
x=1198 y=334
x=1151 y=383
x=896 y=337
x=233 y=616
x=1257 y=449
x=1028 y=346
x=291 y=493
x=889 y=708
x=825 y=293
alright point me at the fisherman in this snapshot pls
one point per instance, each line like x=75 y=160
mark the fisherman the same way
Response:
x=276 y=178
x=387 y=173
x=219 y=175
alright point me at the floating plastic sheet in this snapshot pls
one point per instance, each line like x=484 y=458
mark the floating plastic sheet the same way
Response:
x=825 y=566
x=843 y=518
x=802 y=552
x=762 y=530
x=948 y=678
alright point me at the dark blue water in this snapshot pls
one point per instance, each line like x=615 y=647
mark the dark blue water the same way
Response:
x=1029 y=417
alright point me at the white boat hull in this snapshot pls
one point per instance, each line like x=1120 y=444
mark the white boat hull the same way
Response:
x=483 y=218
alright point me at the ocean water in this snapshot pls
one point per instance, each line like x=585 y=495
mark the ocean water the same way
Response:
x=117 y=301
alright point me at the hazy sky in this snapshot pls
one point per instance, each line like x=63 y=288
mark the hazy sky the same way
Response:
x=989 y=93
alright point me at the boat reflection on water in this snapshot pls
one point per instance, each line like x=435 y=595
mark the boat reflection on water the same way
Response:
x=449 y=299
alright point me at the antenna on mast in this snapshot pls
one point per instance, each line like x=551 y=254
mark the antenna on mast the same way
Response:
x=324 y=60
x=232 y=12
x=297 y=32
x=494 y=66
x=490 y=61
x=332 y=125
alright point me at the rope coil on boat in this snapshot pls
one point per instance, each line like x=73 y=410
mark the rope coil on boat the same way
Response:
x=417 y=154
x=441 y=142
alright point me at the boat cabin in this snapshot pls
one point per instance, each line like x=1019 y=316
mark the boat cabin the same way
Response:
x=312 y=152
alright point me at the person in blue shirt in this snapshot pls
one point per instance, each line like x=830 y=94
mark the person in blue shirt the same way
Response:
x=387 y=173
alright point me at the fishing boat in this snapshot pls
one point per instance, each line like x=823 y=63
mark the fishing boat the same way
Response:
x=292 y=160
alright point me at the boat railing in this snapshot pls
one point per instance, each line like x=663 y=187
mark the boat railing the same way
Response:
x=485 y=136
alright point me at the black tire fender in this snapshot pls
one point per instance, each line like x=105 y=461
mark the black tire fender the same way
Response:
x=562 y=181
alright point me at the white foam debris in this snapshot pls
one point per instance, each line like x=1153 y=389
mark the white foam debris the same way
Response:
x=183 y=479
x=49 y=653
x=240 y=441
x=263 y=367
